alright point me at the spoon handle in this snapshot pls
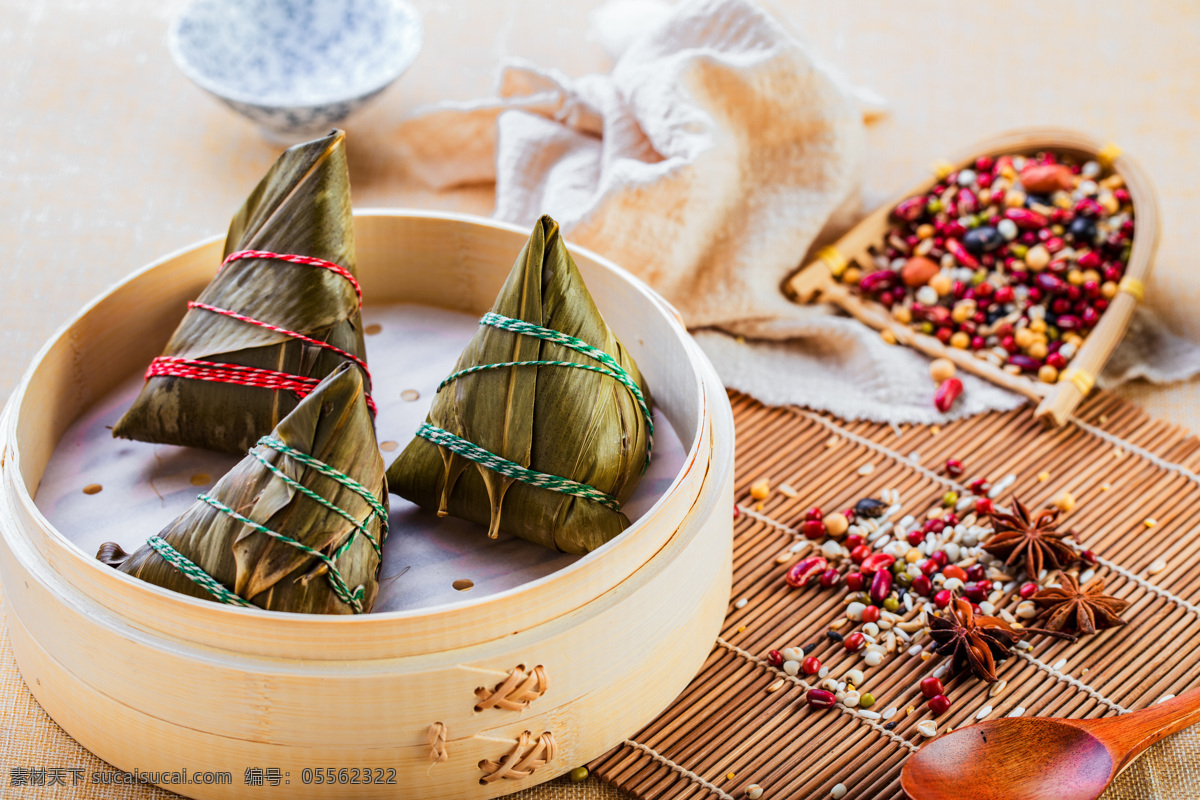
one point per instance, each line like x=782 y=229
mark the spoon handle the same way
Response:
x=1128 y=735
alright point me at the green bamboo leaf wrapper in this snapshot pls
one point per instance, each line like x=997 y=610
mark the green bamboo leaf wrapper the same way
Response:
x=332 y=424
x=301 y=207
x=562 y=421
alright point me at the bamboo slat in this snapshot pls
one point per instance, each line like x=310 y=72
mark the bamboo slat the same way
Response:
x=728 y=731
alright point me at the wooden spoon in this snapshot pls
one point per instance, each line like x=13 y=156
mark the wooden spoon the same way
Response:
x=1038 y=758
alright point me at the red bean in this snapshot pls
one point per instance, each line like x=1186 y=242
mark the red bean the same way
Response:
x=814 y=513
x=948 y=391
x=954 y=571
x=974 y=592
x=805 y=571
x=870 y=614
x=830 y=577
x=855 y=581
x=922 y=585
x=860 y=553
x=775 y=658
x=854 y=642
x=877 y=561
x=943 y=598
x=813 y=529
x=931 y=687
x=1028 y=590
x=811 y=665
x=881 y=584
x=939 y=705
x=955 y=248
x=819 y=698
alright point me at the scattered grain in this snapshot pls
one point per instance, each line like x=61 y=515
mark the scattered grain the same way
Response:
x=866 y=469
x=741 y=603
x=927 y=728
x=1157 y=567
x=787 y=491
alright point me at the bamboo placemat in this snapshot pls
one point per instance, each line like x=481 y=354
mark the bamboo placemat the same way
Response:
x=727 y=731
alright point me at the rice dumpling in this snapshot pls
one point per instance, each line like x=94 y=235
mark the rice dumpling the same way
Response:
x=298 y=525
x=544 y=428
x=280 y=315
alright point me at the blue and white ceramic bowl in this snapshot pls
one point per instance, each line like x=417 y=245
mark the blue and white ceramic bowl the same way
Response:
x=295 y=67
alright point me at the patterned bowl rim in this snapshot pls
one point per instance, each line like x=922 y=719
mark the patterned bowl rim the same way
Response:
x=405 y=55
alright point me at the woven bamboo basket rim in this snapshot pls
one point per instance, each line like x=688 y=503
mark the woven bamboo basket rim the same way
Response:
x=1056 y=401
x=256 y=632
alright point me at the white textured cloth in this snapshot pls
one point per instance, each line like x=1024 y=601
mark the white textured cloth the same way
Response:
x=708 y=162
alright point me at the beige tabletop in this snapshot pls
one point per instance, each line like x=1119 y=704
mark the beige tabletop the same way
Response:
x=111 y=158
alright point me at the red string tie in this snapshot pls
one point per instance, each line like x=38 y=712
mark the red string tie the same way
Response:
x=294 y=259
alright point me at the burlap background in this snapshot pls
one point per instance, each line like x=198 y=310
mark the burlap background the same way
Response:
x=110 y=159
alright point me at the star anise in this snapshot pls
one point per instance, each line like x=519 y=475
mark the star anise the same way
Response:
x=976 y=641
x=1083 y=611
x=1030 y=541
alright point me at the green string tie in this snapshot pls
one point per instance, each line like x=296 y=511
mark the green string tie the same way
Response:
x=193 y=570
x=614 y=370
x=495 y=463
x=353 y=599
x=479 y=455
x=377 y=509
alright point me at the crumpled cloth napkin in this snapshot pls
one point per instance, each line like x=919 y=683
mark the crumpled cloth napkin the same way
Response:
x=707 y=162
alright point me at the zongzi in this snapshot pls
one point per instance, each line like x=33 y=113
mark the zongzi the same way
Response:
x=544 y=428
x=282 y=312
x=298 y=525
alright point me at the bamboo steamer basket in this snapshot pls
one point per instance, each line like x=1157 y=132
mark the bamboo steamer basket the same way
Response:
x=151 y=680
x=1057 y=401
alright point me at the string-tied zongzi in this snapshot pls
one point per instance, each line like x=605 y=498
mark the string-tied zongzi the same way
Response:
x=282 y=312
x=546 y=405
x=299 y=385
x=298 y=525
